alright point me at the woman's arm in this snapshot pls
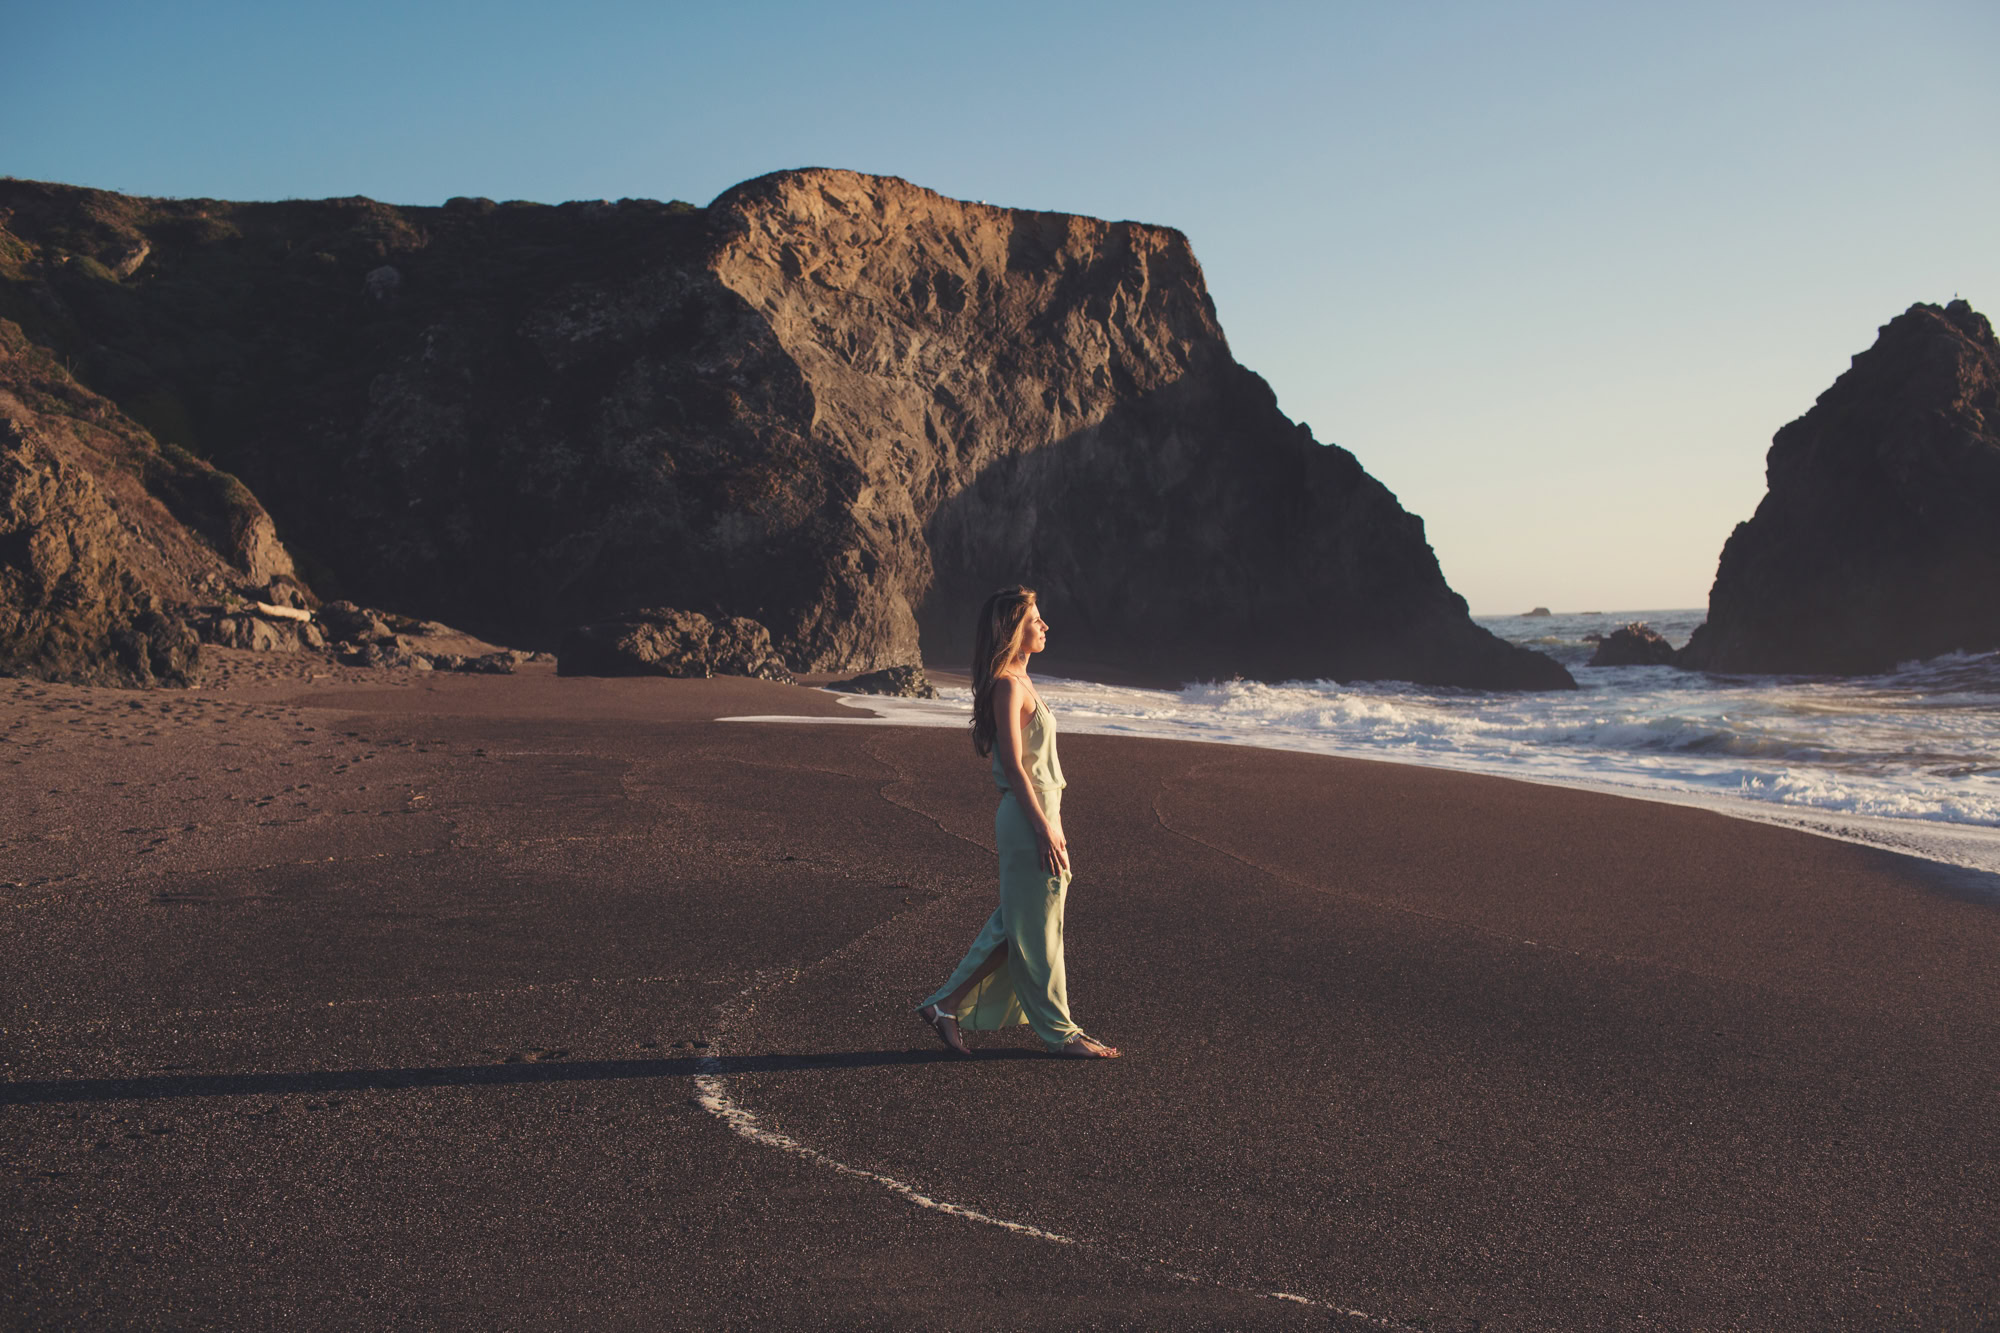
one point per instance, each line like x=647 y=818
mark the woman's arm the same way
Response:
x=1010 y=699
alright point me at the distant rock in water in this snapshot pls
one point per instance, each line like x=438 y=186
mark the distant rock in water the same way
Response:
x=661 y=641
x=905 y=682
x=840 y=406
x=1538 y=611
x=1878 y=541
x=1635 y=644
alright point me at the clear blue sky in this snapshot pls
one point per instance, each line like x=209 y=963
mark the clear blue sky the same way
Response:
x=1554 y=272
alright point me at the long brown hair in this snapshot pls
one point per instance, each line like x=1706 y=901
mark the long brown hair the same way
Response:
x=995 y=639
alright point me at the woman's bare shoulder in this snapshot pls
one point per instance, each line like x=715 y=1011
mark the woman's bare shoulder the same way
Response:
x=1008 y=692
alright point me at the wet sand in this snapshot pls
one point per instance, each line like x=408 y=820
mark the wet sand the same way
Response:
x=390 y=999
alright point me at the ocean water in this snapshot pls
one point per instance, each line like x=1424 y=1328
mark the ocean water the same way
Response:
x=1908 y=761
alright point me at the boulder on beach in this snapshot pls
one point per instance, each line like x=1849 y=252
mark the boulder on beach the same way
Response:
x=350 y=623
x=1636 y=644
x=258 y=633
x=906 y=682
x=365 y=636
x=663 y=641
x=1878 y=541
x=500 y=663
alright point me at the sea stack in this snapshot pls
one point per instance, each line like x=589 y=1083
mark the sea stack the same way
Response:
x=1635 y=644
x=1878 y=541
x=840 y=406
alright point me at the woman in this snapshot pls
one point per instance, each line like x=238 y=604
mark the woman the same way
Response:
x=1014 y=971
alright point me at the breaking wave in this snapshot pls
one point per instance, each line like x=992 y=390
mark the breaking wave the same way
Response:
x=1909 y=759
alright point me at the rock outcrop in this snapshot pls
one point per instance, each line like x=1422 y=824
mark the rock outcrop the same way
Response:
x=96 y=570
x=838 y=405
x=1878 y=540
x=71 y=607
x=662 y=641
x=1636 y=644
x=120 y=556
x=902 y=682
x=363 y=636
x=256 y=630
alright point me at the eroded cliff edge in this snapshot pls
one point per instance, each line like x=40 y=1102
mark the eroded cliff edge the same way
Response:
x=839 y=404
x=106 y=537
x=1878 y=539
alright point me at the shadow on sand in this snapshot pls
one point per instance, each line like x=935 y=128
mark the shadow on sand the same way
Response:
x=159 y=1087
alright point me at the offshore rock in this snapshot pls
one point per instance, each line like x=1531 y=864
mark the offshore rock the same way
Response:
x=1636 y=644
x=903 y=682
x=1878 y=540
x=661 y=641
x=840 y=405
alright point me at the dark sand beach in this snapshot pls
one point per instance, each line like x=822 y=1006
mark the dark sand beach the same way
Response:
x=341 y=999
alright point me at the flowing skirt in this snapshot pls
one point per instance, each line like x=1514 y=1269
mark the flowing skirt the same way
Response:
x=1028 y=986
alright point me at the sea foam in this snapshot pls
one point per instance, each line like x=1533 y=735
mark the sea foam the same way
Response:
x=1908 y=761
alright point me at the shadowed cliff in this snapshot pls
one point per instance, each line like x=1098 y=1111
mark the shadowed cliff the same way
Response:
x=838 y=404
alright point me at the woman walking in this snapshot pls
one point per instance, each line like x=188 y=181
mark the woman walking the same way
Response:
x=1014 y=971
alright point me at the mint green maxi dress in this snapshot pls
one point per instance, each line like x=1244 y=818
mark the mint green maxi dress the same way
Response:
x=1029 y=986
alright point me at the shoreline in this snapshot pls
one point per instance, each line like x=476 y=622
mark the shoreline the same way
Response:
x=1973 y=850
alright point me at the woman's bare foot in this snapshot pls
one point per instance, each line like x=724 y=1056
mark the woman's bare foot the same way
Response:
x=1083 y=1048
x=945 y=1024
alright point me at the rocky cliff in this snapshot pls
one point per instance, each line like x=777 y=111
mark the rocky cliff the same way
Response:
x=105 y=537
x=840 y=405
x=1878 y=540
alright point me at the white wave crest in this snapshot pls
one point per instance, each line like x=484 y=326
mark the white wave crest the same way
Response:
x=1879 y=759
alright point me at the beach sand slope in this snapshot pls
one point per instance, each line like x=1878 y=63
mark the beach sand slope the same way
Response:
x=382 y=999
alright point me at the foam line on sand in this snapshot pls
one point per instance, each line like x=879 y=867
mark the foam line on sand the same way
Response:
x=712 y=1091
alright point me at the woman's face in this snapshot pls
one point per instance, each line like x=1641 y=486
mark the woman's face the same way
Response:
x=1035 y=634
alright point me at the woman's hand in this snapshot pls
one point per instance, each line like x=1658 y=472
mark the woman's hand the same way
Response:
x=1055 y=848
